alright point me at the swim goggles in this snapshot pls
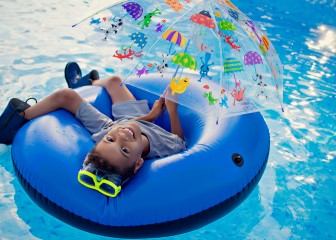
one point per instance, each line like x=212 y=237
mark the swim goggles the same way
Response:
x=106 y=183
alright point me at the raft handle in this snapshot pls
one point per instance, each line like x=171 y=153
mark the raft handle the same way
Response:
x=238 y=159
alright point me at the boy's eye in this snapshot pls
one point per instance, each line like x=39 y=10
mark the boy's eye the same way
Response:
x=125 y=150
x=110 y=139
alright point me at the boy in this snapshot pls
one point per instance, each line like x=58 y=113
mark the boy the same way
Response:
x=121 y=145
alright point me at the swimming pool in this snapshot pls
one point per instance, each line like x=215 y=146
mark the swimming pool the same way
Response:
x=295 y=198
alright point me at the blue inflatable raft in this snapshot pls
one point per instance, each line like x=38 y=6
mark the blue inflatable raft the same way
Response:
x=171 y=195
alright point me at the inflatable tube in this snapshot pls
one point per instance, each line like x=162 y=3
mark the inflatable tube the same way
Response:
x=171 y=195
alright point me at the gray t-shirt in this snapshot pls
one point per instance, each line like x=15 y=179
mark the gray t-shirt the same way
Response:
x=161 y=142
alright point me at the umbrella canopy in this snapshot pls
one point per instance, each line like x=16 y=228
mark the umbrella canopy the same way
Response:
x=185 y=60
x=203 y=18
x=232 y=65
x=139 y=38
x=200 y=39
x=134 y=9
x=174 y=4
x=174 y=37
x=226 y=25
x=252 y=58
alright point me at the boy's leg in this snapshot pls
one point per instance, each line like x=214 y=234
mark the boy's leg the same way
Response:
x=18 y=112
x=66 y=99
x=117 y=93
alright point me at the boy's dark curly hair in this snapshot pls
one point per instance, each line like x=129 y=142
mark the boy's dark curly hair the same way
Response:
x=102 y=164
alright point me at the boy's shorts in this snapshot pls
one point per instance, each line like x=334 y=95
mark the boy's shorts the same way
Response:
x=94 y=121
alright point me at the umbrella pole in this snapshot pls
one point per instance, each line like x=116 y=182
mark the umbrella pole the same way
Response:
x=183 y=52
x=176 y=71
x=123 y=47
x=125 y=15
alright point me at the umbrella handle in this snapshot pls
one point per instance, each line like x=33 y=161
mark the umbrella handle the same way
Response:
x=255 y=71
x=164 y=94
x=167 y=93
x=169 y=51
x=114 y=19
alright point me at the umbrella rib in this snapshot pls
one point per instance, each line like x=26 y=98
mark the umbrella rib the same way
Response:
x=221 y=60
x=157 y=40
x=99 y=11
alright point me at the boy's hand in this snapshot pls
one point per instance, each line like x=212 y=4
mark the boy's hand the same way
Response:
x=158 y=109
x=170 y=100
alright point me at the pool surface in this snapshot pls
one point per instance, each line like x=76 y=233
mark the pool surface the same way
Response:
x=296 y=197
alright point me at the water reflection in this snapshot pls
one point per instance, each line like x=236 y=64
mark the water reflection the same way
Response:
x=326 y=41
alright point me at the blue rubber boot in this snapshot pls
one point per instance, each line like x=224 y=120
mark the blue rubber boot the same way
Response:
x=12 y=119
x=73 y=76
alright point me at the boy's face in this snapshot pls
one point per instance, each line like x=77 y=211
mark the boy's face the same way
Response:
x=122 y=147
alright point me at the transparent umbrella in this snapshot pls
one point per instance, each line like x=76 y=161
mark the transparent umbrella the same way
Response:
x=214 y=57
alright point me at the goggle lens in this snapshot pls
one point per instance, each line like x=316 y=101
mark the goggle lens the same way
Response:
x=87 y=179
x=107 y=188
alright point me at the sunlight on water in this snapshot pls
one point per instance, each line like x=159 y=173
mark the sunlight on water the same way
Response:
x=326 y=41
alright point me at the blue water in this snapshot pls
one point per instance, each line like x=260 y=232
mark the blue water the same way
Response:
x=295 y=199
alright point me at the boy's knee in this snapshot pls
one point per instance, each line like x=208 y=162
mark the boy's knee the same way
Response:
x=65 y=95
x=114 y=80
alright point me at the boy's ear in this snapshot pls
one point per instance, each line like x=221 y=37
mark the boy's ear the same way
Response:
x=138 y=165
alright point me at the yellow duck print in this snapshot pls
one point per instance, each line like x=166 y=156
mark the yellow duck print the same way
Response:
x=179 y=85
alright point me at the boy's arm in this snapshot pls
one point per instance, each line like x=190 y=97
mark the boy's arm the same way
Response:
x=157 y=110
x=175 y=123
x=146 y=117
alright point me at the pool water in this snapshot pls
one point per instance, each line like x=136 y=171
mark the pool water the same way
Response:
x=296 y=197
